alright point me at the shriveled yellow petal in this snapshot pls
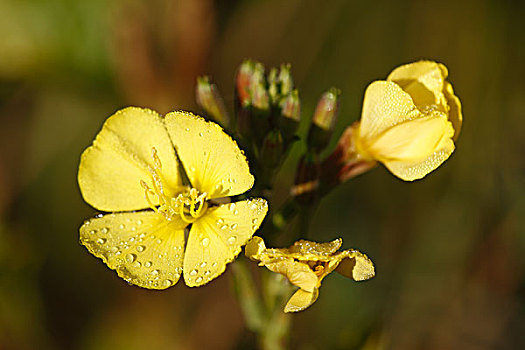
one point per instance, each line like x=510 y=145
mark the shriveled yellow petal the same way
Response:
x=111 y=169
x=310 y=250
x=454 y=114
x=385 y=105
x=413 y=140
x=212 y=159
x=216 y=238
x=298 y=273
x=356 y=265
x=410 y=171
x=301 y=300
x=142 y=247
x=254 y=248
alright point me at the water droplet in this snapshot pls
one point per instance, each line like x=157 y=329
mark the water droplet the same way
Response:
x=254 y=221
x=187 y=129
x=87 y=222
x=121 y=226
x=201 y=134
x=139 y=222
x=113 y=249
x=132 y=239
x=231 y=206
x=203 y=264
x=167 y=283
x=199 y=279
x=224 y=227
x=99 y=215
x=137 y=264
x=155 y=272
x=205 y=242
x=220 y=222
x=192 y=169
x=159 y=241
x=133 y=228
x=193 y=273
x=148 y=264
x=235 y=212
x=214 y=264
x=207 y=273
x=142 y=235
x=104 y=230
x=234 y=226
x=130 y=258
x=101 y=240
x=232 y=240
x=140 y=248
x=92 y=232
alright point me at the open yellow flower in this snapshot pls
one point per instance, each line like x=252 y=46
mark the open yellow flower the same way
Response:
x=410 y=121
x=132 y=170
x=306 y=263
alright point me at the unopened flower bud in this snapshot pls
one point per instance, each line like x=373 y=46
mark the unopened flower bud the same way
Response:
x=324 y=119
x=209 y=99
x=243 y=82
x=273 y=86
x=285 y=79
x=290 y=114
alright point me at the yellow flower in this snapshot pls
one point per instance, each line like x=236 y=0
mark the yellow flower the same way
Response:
x=132 y=170
x=410 y=121
x=306 y=263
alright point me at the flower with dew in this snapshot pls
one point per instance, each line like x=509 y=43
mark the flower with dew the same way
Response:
x=162 y=179
x=306 y=263
x=410 y=121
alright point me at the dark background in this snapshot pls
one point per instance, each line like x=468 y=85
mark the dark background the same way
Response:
x=449 y=250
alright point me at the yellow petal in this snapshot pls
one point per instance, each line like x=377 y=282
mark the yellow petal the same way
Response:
x=213 y=161
x=454 y=114
x=410 y=171
x=423 y=80
x=111 y=169
x=254 y=248
x=356 y=265
x=412 y=141
x=309 y=250
x=299 y=274
x=385 y=105
x=301 y=300
x=142 y=247
x=216 y=238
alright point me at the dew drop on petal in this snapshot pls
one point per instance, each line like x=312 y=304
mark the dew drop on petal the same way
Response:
x=193 y=272
x=199 y=279
x=205 y=241
x=155 y=272
x=92 y=232
x=203 y=264
x=121 y=226
x=131 y=258
x=224 y=227
x=139 y=222
x=140 y=248
x=148 y=264
x=137 y=264
x=104 y=230
x=101 y=240
x=254 y=221
x=232 y=240
x=159 y=241
x=167 y=283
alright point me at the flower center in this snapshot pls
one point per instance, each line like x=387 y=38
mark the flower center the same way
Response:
x=189 y=204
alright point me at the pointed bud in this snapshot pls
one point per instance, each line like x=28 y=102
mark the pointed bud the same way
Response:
x=306 y=184
x=290 y=114
x=324 y=119
x=285 y=79
x=273 y=87
x=243 y=82
x=209 y=99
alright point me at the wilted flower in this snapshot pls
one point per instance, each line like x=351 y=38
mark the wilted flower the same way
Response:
x=410 y=121
x=306 y=263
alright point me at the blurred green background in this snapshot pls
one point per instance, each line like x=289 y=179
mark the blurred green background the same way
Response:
x=449 y=250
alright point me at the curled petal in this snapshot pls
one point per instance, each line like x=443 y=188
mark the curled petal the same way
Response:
x=301 y=300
